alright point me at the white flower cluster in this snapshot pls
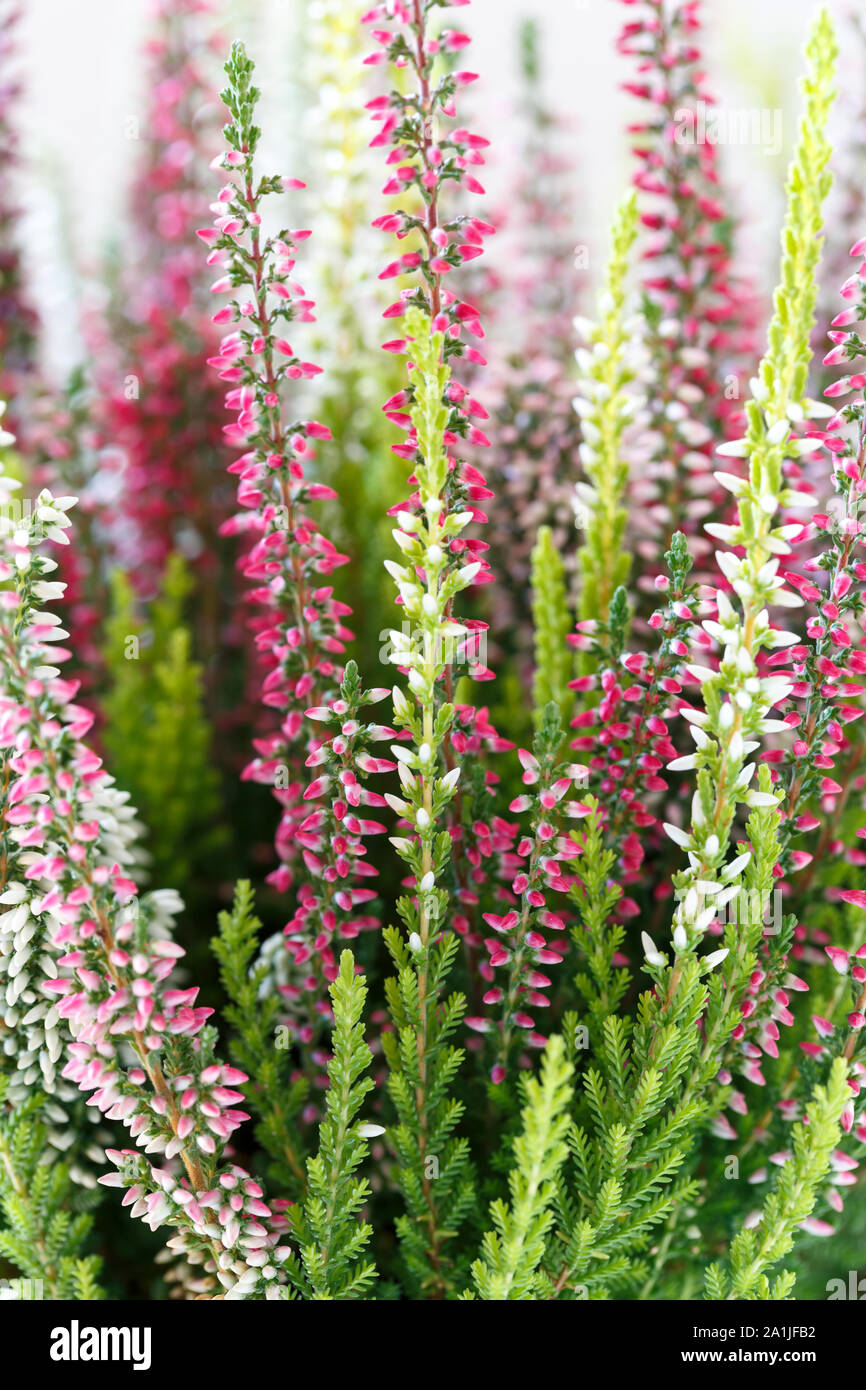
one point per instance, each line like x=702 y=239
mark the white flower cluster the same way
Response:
x=605 y=405
x=737 y=700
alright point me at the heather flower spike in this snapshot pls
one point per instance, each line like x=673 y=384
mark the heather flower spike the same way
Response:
x=607 y=364
x=611 y=1045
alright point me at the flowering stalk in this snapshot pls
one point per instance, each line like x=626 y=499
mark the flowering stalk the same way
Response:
x=605 y=406
x=437 y=412
x=537 y=862
x=108 y=958
x=626 y=738
x=426 y=790
x=828 y=669
x=696 y=309
x=737 y=700
x=676 y=1071
x=299 y=629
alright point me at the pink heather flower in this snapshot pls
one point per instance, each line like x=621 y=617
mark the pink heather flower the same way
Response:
x=298 y=623
x=833 y=654
x=620 y=730
x=703 y=335
x=107 y=957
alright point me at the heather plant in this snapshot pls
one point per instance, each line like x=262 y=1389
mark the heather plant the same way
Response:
x=567 y=1008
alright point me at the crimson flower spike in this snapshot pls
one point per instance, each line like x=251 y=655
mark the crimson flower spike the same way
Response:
x=298 y=628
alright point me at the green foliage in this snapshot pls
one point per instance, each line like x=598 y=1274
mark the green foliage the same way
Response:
x=434 y=1172
x=755 y=1249
x=332 y=1238
x=42 y=1234
x=156 y=732
x=602 y=984
x=552 y=623
x=512 y=1252
x=276 y=1095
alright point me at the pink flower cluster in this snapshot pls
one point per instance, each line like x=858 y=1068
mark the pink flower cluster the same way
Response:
x=298 y=623
x=625 y=737
x=827 y=671
x=539 y=863
x=700 y=334
x=332 y=899
x=106 y=954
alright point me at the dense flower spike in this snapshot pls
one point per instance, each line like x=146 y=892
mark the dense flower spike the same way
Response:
x=106 y=955
x=437 y=563
x=332 y=903
x=699 y=316
x=436 y=410
x=824 y=709
x=626 y=735
x=738 y=702
x=299 y=628
x=607 y=366
x=540 y=863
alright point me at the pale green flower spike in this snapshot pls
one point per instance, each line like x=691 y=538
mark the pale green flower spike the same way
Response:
x=552 y=622
x=605 y=406
x=432 y=1172
x=736 y=699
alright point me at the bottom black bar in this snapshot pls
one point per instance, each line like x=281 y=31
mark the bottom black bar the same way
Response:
x=220 y=1339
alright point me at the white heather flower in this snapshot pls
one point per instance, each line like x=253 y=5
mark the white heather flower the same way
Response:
x=715 y=958
x=653 y=957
